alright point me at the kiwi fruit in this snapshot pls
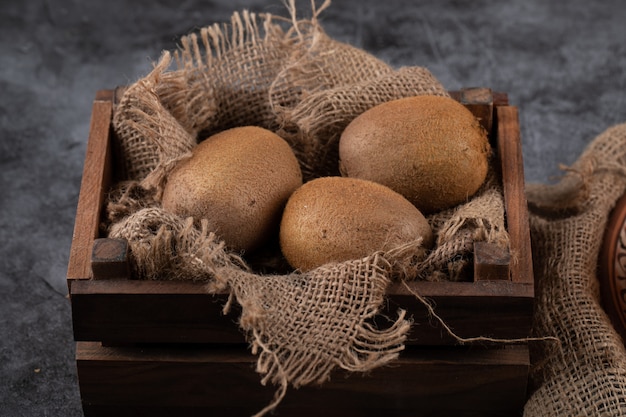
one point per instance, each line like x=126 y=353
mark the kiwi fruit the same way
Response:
x=431 y=149
x=334 y=219
x=239 y=181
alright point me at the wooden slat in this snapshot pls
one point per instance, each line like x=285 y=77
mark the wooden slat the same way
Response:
x=495 y=309
x=510 y=151
x=491 y=262
x=96 y=173
x=125 y=311
x=480 y=102
x=210 y=381
x=110 y=259
x=499 y=98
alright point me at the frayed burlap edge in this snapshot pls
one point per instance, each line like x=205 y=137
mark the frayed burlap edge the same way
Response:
x=344 y=337
x=585 y=373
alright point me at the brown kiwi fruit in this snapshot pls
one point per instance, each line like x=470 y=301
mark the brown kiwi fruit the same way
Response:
x=430 y=149
x=334 y=219
x=239 y=180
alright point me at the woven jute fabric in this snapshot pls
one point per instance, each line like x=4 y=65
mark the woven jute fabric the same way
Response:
x=290 y=77
x=585 y=373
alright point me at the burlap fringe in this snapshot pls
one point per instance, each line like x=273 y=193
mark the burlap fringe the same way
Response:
x=457 y=229
x=295 y=353
x=166 y=246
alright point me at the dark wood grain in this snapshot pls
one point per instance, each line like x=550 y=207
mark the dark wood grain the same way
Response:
x=110 y=259
x=125 y=311
x=480 y=102
x=491 y=262
x=95 y=182
x=510 y=152
x=214 y=381
x=494 y=309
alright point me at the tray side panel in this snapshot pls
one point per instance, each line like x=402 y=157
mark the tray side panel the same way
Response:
x=510 y=151
x=207 y=381
x=498 y=310
x=127 y=311
x=94 y=184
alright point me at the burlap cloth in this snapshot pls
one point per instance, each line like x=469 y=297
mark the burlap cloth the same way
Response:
x=584 y=374
x=290 y=77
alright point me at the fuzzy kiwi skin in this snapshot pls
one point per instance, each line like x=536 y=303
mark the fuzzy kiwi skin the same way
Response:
x=239 y=180
x=430 y=149
x=334 y=219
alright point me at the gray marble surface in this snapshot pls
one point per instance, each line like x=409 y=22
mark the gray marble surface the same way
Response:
x=563 y=64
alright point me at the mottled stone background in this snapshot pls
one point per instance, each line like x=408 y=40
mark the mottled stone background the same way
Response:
x=562 y=62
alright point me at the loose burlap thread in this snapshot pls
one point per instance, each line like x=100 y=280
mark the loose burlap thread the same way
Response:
x=290 y=77
x=585 y=374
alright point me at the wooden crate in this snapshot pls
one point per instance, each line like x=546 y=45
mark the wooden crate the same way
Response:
x=163 y=348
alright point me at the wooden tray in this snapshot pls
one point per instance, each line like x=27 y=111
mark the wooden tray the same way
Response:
x=164 y=333
x=612 y=268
